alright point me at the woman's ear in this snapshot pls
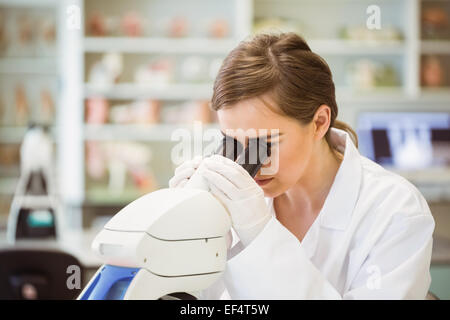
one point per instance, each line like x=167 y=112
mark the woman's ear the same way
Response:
x=321 y=121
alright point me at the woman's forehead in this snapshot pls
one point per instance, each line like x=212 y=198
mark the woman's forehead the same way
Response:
x=248 y=115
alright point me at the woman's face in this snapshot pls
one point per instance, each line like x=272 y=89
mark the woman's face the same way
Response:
x=291 y=149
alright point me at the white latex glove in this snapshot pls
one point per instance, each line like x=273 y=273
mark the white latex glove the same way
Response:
x=182 y=175
x=184 y=171
x=239 y=193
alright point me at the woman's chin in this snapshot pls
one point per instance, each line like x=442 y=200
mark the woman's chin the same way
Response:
x=270 y=189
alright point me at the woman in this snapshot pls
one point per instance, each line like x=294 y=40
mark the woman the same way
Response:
x=330 y=223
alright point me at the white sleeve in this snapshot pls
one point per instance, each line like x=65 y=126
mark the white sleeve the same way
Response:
x=275 y=266
x=398 y=266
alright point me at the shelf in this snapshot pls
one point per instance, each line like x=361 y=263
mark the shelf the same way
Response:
x=28 y=65
x=435 y=46
x=354 y=47
x=158 y=45
x=28 y=3
x=146 y=133
x=14 y=135
x=392 y=95
x=439 y=95
x=378 y=94
x=96 y=196
x=132 y=91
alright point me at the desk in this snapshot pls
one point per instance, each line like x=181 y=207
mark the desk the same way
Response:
x=76 y=243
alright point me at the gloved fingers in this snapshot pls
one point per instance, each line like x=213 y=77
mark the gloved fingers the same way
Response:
x=193 y=163
x=182 y=183
x=230 y=163
x=235 y=176
x=220 y=182
x=197 y=160
x=181 y=175
x=219 y=194
x=252 y=191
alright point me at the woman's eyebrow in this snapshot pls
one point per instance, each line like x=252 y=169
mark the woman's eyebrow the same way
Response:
x=269 y=135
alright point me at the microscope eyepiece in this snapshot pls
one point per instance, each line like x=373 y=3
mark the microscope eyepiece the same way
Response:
x=251 y=158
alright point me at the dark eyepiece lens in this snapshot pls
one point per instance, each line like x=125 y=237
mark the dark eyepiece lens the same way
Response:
x=229 y=148
x=252 y=158
x=257 y=151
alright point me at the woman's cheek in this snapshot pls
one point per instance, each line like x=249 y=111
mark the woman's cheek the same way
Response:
x=291 y=163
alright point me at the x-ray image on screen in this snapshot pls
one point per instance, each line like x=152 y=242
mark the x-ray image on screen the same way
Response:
x=405 y=140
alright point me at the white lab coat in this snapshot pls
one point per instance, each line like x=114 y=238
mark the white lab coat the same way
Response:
x=371 y=240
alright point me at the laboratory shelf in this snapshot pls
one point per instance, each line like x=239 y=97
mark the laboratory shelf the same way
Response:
x=15 y=134
x=134 y=132
x=353 y=47
x=158 y=45
x=28 y=3
x=435 y=46
x=125 y=91
x=17 y=65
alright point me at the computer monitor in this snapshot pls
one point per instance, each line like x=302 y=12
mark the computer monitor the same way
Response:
x=405 y=140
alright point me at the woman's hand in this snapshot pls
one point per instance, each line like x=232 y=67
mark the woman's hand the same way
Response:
x=239 y=193
x=182 y=175
x=184 y=172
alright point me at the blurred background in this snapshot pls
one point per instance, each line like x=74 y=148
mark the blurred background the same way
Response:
x=110 y=80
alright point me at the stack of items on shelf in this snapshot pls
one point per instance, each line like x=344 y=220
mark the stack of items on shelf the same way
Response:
x=157 y=72
x=133 y=24
x=25 y=100
x=436 y=27
x=366 y=74
x=148 y=112
x=119 y=169
x=25 y=35
x=27 y=32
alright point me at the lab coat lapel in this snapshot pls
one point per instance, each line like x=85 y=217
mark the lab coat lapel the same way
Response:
x=337 y=210
x=338 y=207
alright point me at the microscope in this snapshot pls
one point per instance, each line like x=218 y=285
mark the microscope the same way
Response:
x=169 y=244
x=35 y=208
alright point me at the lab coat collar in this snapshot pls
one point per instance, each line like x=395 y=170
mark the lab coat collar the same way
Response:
x=338 y=207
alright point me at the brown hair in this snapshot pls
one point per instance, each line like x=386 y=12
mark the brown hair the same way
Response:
x=299 y=80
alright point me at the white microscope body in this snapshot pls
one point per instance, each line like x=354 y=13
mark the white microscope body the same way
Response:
x=168 y=241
